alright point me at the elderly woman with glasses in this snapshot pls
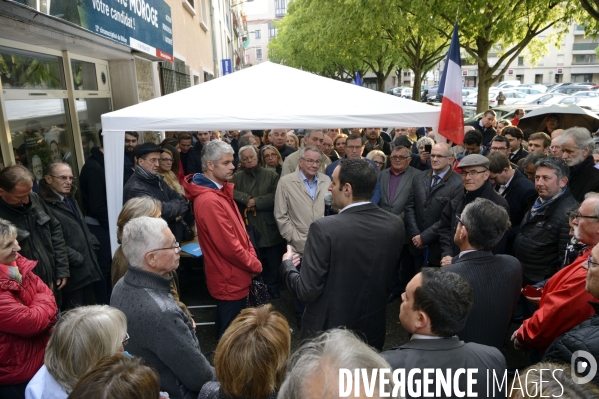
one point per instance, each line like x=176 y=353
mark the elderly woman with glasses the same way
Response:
x=28 y=313
x=82 y=337
x=271 y=159
x=379 y=158
x=168 y=166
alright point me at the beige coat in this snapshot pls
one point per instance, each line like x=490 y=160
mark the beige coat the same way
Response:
x=295 y=210
x=292 y=161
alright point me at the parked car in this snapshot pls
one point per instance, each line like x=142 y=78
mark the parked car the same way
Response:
x=506 y=111
x=473 y=99
x=432 y=96
x=511 y=97
x=528 y=90
x=588 y=93
x=536 y=86
x=405 y=92
x=564 y=100
x=590 y=103
x=508 y=84
x=570 y=89
x=466 y=93
x=540 y=98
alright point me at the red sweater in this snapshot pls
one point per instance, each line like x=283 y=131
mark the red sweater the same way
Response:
x=564 y=305
x=229 y=257
x=28 y=312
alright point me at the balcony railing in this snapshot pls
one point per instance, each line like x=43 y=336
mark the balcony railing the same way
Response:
x=584 y=46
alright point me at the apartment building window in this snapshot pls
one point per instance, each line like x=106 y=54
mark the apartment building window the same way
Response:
x=205 y=13
x=280 y=8
x=174 y=76
x=258 y=33
x=258 y=53
x=584 y=59
x=520 y=61
x=272 y=31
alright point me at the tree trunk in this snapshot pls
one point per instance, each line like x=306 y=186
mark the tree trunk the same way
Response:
x=380 y=81
x=485 y=80
x=417 y=90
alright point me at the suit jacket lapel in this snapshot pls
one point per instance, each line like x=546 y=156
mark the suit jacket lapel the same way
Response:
x=385 y=185
x=402 y=183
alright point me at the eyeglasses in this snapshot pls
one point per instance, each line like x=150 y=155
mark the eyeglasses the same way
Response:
x=378 y=163
x=459 y=219
x=312 y=161
x=472 y=173
x=268 y=156
x=166 y=159
x=398 y=158
x=64 y=178
x=591 y=263
x=126 y=340
x=176 y=247
x=577 y=215
x=439 y=156
x=152 y=160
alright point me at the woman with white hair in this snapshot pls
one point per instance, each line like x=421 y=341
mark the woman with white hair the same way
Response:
x=81 y=338
x=28 y=311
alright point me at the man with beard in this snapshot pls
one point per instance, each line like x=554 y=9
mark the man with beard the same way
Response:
x=130 y=144
x=577 y=146
x=374 y=141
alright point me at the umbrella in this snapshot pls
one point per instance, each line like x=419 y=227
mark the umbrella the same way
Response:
x=570 y=115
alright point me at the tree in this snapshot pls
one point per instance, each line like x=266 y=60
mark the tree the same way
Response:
x=495 y=33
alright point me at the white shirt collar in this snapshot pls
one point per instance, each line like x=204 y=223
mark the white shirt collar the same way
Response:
x=465 y=252
x=422 y=336
x=219 y=186
x=354 y=204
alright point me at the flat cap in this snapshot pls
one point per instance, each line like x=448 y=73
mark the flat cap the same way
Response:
x=146 y=148
x=474 y=160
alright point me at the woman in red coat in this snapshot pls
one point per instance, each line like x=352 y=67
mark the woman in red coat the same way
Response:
x=28 y=310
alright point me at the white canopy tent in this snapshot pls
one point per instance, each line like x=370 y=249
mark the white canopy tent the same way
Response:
x=266 y=96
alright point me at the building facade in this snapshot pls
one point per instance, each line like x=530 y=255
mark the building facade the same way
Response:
x=261 y=18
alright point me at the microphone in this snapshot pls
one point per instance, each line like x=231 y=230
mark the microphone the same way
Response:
x=328 y=201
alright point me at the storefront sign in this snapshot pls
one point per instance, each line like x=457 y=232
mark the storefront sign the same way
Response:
x=144 y=25
x=226 y=65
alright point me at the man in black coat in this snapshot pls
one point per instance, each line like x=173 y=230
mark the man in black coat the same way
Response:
x=374 y=141
x=496 y=280
x=92 y=186
x=194 y=155
x=475 y=178
x=434 y=309
x=514 y=187
x=57 y=191
x=277 y=138
x=430 y=193
x=485 y=126
x=344 y=284
x=577 y=148
x=545 y=231
x=146 y=181
x=515 y=137
x=585 y=336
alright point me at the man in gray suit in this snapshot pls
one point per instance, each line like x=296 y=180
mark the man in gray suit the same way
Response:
x=434 y=308
x=342 y=280
x=431 y=190
x=396 y=187
x=495 y=279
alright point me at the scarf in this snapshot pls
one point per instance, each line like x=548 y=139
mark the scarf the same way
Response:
x=146 y=174
x=540 y=207
x=12 y=272
x=378 y=146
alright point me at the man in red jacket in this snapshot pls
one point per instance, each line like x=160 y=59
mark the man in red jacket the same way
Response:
x=229 y=257
x=565 y=302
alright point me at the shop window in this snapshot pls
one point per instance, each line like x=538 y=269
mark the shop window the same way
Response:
x=20 y=69
x=84 y=75
x=89 y=121
x=41 y=133
x=174 y=76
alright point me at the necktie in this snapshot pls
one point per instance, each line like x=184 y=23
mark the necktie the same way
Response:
x=436 y=180
x=69 y=205
x=501 y=190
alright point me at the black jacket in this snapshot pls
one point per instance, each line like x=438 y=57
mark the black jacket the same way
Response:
x=459 y=199
x=79 y=241
x=541 y=242
x=286 y=150
x=517 y=195
x=424 y=208
x=174 y=205
x=584 y=336
x=584 y=178
x=520 y=155
x=128 y=167
x=93 y=187
x=194 y=159
x=488 y=132
x=496 y=281
x=40 y=236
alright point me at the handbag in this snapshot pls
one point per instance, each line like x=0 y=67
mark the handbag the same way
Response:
x=188 y=233
x=258 y=294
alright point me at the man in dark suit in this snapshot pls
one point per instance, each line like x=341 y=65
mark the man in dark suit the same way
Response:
x=514 y=187
x=515 y=137
x=342 y=280
x=485 y=126
x=496 y=280
x=396 y=186
x=430 y=192
x=475 y=178
x=434 y=308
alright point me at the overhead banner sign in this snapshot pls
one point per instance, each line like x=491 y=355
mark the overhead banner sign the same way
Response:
x=144 y=25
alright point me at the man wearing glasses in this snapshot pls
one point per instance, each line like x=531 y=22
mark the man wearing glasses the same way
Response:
x=545 y=232
x=159 y=331
x=313 y=138
x=564 y=300
x=57 y=191
x=146 y=181
x=430 y=193
x=475 y=178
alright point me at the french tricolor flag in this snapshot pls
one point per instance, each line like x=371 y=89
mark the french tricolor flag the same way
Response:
x=451 y=121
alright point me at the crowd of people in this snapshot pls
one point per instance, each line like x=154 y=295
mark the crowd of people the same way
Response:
x=501 y=229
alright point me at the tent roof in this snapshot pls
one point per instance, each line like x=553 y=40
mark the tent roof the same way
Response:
x=268 y=96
